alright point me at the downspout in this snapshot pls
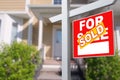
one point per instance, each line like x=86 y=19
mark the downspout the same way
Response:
x=30 y=22
x=30 y=30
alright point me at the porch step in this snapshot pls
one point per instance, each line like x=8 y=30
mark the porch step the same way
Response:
x=52 y=62
x=50 y=70
x=49 y=76
x=52 y=67
x=49 y=73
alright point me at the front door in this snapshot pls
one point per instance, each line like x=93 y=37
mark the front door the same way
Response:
x=57 y=43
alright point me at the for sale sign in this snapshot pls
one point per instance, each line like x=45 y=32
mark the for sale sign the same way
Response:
x=93 y=36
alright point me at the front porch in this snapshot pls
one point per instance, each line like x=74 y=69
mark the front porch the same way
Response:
x=49 y=34
x=49 y=43
x=51 y=70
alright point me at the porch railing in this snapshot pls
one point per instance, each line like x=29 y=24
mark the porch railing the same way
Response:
x=39 y=66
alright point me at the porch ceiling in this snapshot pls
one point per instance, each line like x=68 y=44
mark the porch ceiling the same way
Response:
x=21 y=14
x=48 y=11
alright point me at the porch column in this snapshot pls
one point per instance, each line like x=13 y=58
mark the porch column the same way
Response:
x=40 y=38
x=30 y=31
x=40 y=33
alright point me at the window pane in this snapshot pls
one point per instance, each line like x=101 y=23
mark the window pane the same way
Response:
x=57 y=1
x=59 y=36
x=14 y=31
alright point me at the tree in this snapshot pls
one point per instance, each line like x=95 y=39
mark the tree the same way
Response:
x=103 y=68
x=18 y=61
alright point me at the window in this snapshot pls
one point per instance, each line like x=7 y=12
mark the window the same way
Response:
x=57 y=1
x=14 y=32
x=58 y=36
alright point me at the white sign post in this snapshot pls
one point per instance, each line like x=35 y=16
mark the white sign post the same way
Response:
x=65 y=41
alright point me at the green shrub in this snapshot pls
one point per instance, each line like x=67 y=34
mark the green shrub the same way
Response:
x=18 y=61
x=103 y=68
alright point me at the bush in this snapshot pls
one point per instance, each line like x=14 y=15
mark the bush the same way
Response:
x=18 y=61
x=103 y=68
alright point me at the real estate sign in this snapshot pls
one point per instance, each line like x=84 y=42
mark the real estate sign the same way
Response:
x=93 y=36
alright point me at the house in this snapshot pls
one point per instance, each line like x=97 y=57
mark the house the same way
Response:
x=28 y=21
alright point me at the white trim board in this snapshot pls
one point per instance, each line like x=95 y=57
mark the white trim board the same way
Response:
x=88 y=7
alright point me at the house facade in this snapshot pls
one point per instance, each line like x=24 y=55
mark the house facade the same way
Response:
x=28 y=21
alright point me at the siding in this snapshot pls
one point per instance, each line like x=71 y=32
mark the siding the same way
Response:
x=44 y=2
x=35 y=31
x=79 y=1
x=12 y=5
x=41 y=2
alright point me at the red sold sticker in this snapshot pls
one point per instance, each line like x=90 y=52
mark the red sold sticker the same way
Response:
x=93 y=36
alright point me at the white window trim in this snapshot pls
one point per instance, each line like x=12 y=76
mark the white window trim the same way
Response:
x=52 y=2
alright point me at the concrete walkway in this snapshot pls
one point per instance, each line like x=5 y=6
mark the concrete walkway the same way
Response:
x=50 y=70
